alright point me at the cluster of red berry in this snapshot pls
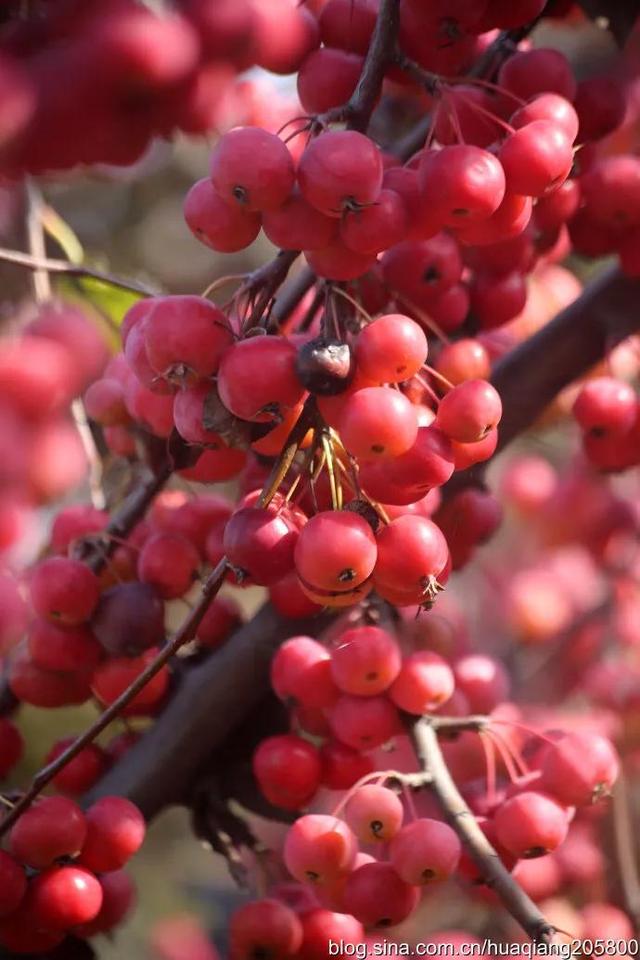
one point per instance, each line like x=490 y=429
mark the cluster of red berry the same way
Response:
x=183 y=360
x=84 y=634
x=131 y=73
x=365 y=864
x=63 y=872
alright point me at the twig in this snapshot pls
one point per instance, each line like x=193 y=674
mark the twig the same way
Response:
x=36 y=241
x=96 y=492
x=186 y=632
x=358 y=110
x=307 y=419
x=42 y=263
x=96 y=551
x=290 y=296
x=265 y=282
x=624 y=836
x=486 y=66
x=36 y=212
x=460 y=817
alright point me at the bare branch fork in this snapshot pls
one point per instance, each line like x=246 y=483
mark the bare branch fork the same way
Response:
x=462 y=820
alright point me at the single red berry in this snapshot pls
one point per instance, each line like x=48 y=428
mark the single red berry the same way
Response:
x=376 y=227
x=541 y=70
x=365 y=661
x=425 y=850
x=364 y=722
x=257 y=378
x=185 y=338
x=601 y=106
x=463 y=182
x=297 y=225
x=376 y=896
x=340 y=170
x=374 y=813
x=424 y=683
x=606 y=405
x=412 y=552
x=319 y=849
x=336 y=550
x=217 y=224
x=114 y=676
x=327 y=78
x=252 y=168
x=422 y=271
x=46 y=688
x=378 y=423
x=536 y=158
x=391 y=349
x=348 y=24
x=483 y=680
x=301 y=670
x=260 y=542
x=63 y=897
x=469 y=411
x=531 y=824
x=580 y=768
x=52 y=828
x=64 y=591
x=69 y=650
x=321 y=926
x=264 y=928
x=287 y=769
x=169 y=564
x=342 y=766
x=465 y=359
x=115 y=831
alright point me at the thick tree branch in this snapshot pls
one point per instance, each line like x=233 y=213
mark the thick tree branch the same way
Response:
x=210 y=701
x=460 y=817
x=529 y=377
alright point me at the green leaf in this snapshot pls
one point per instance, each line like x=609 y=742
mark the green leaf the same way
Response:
x=104 y=302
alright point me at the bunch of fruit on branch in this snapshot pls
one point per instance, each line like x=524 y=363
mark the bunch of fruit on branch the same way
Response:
x=353 y=426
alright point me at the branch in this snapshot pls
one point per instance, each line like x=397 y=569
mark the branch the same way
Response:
x=460 y=817
x=264 y=282
x=529 y=377
x=357 y=112
x=73 y=270
x=290 y=296
x=96 y=551
x=485 y=67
